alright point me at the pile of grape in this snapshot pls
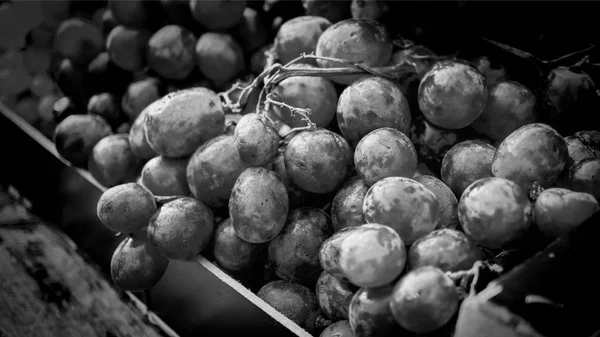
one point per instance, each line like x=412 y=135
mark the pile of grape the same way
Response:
x=356 y=180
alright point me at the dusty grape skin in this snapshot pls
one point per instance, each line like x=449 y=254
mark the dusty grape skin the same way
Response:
x=329 y=254
x=495 y=212
x=383 y=153
x=334 y=296
x=171 y=52
x=346 y=208
x=76 y=136
x=78 y=40
x=219 y=57
x=295 y=251
x=558 y=210
x=437 y=301
x=258 y=205
x=136 y=266
x=318 y=161
x=139 y=95
x=534 y=153
x=184 y=120
x=405 y=205
x=231 y=252
x=256 y=140
x=357 y=41
x=372 y=256
x=294 y=301
x=181 y=229
x=218 y=14
x=106 y=106
x=431 y=142
x=315 y=93
x=568 y=100
x=137 y=137
x=369 y=104
x=370 y=315
x=446 y=249
x=213 y=170
x=583 y=145
x=509 y=106
x=166 y=176
x=299 y=35
x=446 y=200
x=338 y=329
x=127 y=47
x=465 y=163
x=126 y=208
x=585 y=177
x=452 y=95
x=112 y=162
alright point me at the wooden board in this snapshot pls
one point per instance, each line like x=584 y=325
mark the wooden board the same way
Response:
x=47 y=288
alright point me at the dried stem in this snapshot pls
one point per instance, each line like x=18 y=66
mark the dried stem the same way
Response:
x=463 y=276
x=519 y=53
x=304 y=112
x=541 y=65
x=572 y=55
x=275 y=73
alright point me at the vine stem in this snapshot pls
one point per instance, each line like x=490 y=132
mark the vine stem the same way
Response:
x=541 y=65
x=475 y=272
x=274 y=73
x=304 y=112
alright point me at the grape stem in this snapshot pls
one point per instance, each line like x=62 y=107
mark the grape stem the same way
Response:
x=304 y=112
x=275 y=73
x=464 y=275
x=541 y=65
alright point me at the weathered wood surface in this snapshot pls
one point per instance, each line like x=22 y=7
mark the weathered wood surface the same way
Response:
x=47 y=288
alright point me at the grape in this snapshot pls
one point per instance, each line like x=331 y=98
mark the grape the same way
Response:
x=383 y=153
x=184 y=120
x=165 y=176
x=465 y=163
x=112 y=162
x=532 y=154
x=126 y=208
x=258 y=205
x=219 y=56
x=403 y=204
x=181 y=229
x=424 y=300
x=495 y=212
x=127 y=47
x=218 y=14
x=171 y=52
x=136 y=266
x=318 y=161
x=76 y=136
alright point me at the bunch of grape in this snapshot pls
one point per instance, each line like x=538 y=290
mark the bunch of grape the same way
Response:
x=354 y=179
